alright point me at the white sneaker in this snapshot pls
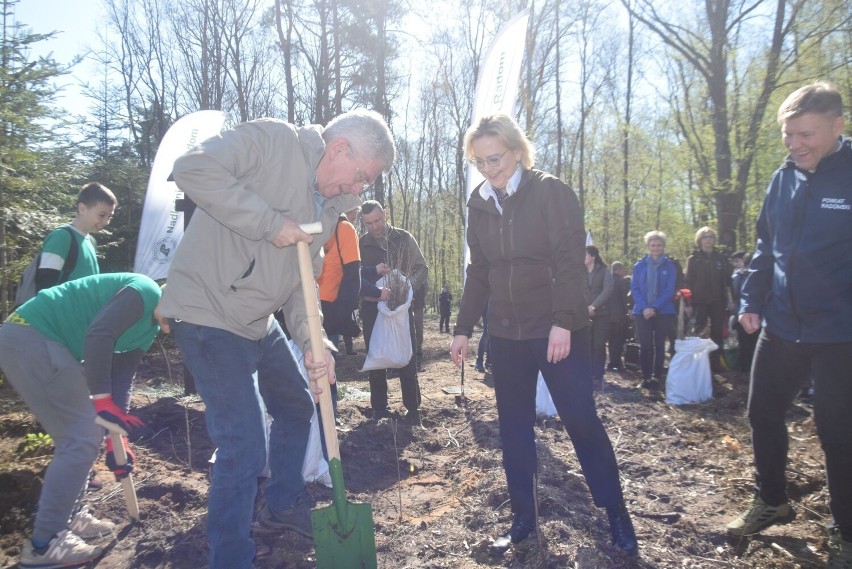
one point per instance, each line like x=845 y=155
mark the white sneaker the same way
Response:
x=87 y=526
x=64 y=550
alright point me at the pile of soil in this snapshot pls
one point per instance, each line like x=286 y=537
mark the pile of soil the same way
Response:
x=438 y=493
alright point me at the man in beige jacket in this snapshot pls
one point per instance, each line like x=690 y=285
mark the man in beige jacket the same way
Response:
x=235 y=266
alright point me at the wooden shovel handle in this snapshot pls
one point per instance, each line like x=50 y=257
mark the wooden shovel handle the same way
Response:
x=309 y=291
x=121 y=459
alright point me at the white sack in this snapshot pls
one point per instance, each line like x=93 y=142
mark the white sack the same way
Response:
x=390 y=342
x=689 y=379
x=544 y=406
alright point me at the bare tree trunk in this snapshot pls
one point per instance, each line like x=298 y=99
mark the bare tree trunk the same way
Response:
x=285 y=39
x=625 y=158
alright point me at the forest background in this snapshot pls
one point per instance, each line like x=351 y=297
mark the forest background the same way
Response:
x=659 y=113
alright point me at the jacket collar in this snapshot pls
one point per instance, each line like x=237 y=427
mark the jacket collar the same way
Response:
x=486 y=190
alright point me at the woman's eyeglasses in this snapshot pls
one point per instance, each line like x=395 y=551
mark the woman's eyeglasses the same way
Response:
x=490 y=162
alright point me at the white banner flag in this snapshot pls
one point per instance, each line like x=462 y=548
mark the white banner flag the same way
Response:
x=498 y=82
x=161 y=228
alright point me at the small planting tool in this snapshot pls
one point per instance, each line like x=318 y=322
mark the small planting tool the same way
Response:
x=115 y=433
x=344 y=535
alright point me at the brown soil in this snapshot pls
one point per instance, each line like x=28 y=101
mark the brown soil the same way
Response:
x=438 y=493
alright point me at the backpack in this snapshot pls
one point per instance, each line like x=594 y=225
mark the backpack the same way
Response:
x=27 y=287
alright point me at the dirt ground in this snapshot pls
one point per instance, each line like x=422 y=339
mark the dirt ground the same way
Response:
x=438 y=493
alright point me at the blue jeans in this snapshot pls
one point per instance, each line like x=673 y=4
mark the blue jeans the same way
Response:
x=516 y=364
x=780 y=369
x=238 y=378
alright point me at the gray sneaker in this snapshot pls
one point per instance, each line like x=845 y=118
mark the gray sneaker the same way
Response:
x=87 y=526
x=758 y=516
x=64 y=550
x=296 y=518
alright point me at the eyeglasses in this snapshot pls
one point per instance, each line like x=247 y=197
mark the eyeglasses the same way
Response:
x=490 y=162
x=362 y=178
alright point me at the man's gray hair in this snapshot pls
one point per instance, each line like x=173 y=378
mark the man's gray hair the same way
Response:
x=367 y=134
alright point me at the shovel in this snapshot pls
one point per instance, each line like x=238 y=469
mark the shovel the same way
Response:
x=115 y=433
x=343 y=532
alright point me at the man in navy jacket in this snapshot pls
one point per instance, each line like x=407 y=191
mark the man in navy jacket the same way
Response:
x=800 y=287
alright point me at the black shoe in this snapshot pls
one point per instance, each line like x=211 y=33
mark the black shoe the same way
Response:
x=413 y=418
x=522 y=527
x=621 y=528
x=379 y=414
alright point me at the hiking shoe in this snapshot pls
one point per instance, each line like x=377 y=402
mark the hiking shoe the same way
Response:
x=296 y=518
x=758 y=516
x=621 y=529
x=839 y=553
x=65 y=550
x=87 y=526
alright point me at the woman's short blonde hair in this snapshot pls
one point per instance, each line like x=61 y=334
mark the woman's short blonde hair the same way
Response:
x=702 y=233
x=507 y=131
x=655 y=235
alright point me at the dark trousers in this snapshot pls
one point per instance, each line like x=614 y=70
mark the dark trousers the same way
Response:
x=747 y=343
x=616 y=338
x=444 y=325
x=378 y=378
x=483 y=354
x=779 y=371
x=652 y=335
x=717 y=314
x=516 y=364
x=599 y=330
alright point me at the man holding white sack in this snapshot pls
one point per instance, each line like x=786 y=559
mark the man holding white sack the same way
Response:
x=800 y=284
x=383 y=243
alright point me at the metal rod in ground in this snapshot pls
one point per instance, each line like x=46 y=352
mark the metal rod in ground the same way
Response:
x=535 y=506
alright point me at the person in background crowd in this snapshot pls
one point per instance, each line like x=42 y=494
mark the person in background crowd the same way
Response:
x=746 y=341
x=340 y=280
x=618 y=316
x=800 y=285
x=393 y=248
x=526 y=237
x=445 y=303
x=483 y=354
x=71 y=353
x=653 y=288
x=708 y=276
x=236 y=265
x=347 y=339
x=598 y=296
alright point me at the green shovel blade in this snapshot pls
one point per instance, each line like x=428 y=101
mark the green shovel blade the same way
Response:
x=343 y=532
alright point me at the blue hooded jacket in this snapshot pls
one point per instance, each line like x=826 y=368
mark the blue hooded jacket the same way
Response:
x=800 y=279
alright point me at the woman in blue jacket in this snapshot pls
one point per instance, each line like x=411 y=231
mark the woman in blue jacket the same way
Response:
x=653 y=288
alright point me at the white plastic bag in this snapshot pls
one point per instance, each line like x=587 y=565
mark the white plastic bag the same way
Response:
x=544 y=406
x=315 y=467
x=390 y=342
x=689 y=379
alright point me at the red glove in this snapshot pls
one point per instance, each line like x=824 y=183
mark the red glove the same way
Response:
x=106 y=408
x=120 y=470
